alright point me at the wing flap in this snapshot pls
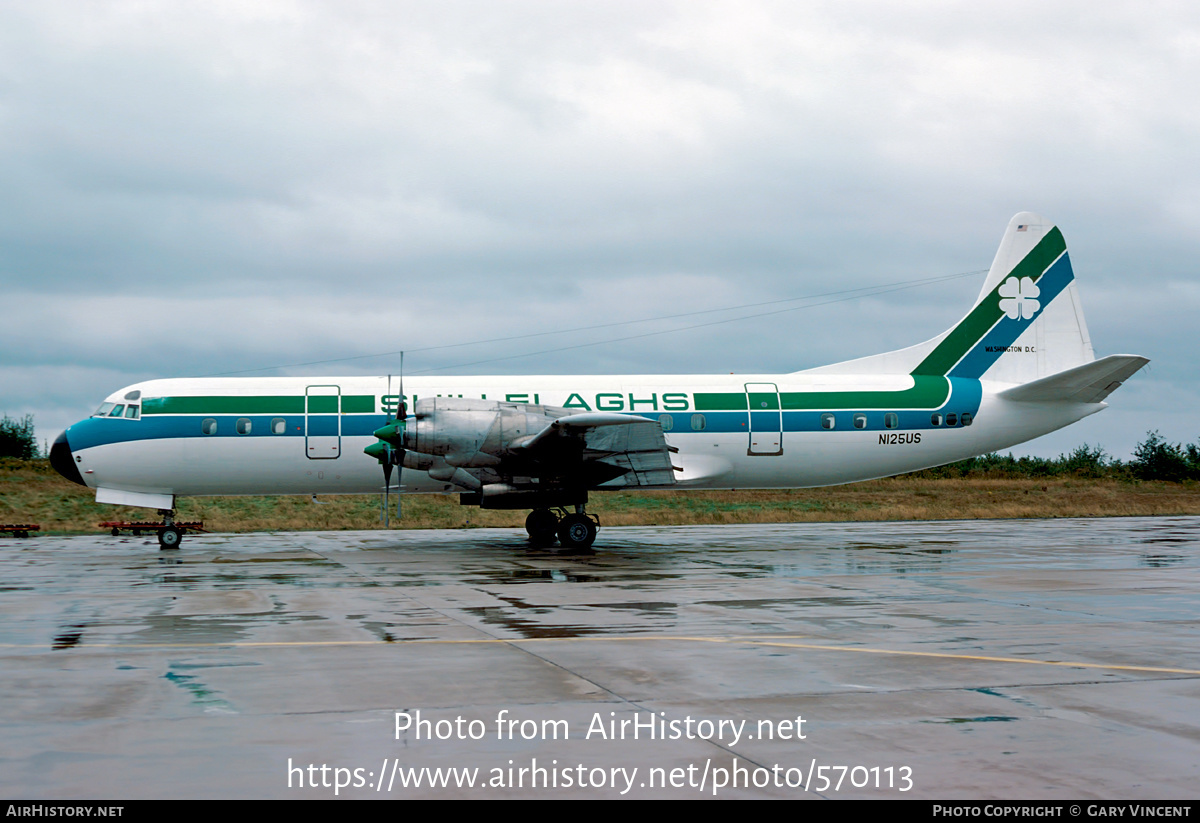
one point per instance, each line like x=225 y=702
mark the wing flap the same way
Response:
x=638 y=448
x=635 y=446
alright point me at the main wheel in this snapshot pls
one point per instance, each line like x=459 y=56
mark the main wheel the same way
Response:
x=169 y=537
x=542 y=525
x=577 y=531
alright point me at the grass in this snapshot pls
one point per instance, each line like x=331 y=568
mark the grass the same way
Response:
x=32 y=492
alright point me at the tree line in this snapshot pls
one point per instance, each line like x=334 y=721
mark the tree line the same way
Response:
x=16 y=438
x=1153 y=459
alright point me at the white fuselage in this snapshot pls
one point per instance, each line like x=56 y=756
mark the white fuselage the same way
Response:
x=306 y=435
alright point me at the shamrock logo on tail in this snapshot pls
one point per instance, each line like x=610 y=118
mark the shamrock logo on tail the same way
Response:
x=1021 y=298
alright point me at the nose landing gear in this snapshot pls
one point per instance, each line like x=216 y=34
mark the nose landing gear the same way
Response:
x=170 y=536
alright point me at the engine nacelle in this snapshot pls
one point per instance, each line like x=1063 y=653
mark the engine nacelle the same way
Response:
x=470 y=433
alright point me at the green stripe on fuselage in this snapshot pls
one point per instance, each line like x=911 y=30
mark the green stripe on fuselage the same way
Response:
x=976 y=324
x=927 y=392
x=719 y=401
x=358 y=404
x=351 y=404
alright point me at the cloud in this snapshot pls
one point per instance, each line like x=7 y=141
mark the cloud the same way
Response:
x=199 y=188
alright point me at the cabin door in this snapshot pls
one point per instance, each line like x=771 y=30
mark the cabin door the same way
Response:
x=766 y=419
x=322 y=422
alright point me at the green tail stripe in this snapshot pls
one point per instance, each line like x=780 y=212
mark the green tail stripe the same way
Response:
x=976 y=324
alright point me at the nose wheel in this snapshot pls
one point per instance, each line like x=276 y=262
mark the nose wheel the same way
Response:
x=170 y=536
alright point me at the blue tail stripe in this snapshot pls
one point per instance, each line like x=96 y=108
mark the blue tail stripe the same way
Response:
x=1002 y=335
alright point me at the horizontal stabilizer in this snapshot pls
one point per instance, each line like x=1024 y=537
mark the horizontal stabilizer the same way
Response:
x=1089 y=383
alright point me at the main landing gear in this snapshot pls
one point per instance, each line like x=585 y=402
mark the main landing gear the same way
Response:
x=574 y=531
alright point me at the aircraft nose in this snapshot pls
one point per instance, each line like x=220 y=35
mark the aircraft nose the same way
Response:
x=62 y=460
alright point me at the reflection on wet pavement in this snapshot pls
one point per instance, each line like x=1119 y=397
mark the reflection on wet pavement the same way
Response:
x=1026 y=646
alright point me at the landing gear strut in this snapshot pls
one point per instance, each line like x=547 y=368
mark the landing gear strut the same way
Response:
x=170 y=536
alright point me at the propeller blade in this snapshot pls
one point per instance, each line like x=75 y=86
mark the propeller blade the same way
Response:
x=399 y=457
x=387 y=484
x=400 y=425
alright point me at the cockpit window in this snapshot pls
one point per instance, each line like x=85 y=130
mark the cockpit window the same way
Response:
x=129 y=411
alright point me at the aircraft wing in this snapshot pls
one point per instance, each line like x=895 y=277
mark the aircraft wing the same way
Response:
x=631 y=448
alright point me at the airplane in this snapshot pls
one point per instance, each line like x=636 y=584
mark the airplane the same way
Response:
x=1019 y=365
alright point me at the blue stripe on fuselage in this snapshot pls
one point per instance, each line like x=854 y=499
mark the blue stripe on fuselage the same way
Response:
x=964 y=396
x=98 y=431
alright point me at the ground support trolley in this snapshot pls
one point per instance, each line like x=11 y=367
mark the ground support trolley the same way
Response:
x=19 y=529
x=169 y=534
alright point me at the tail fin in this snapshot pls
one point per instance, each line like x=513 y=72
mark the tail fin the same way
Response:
x=1026 y=324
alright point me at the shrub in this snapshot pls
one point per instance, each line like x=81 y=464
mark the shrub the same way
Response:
x=1086 y=461
x=16 y=438
x=1156 y=459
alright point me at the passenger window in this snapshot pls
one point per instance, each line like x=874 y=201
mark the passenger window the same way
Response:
x=935 y=420
x=891 y=420
x=952 y=420
x=860 y=421
x=278 y=425
x=131 y=412
x=966 y=418
x=666 y=421
x=243 y=425
x=828 y=421
x=208 y=425
x=698 y=422
x=117 y=411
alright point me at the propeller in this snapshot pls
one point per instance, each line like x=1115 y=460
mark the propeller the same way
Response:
x=389 y=449
x=398 y=452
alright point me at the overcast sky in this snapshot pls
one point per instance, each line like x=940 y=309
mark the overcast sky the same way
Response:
x=195 y=188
